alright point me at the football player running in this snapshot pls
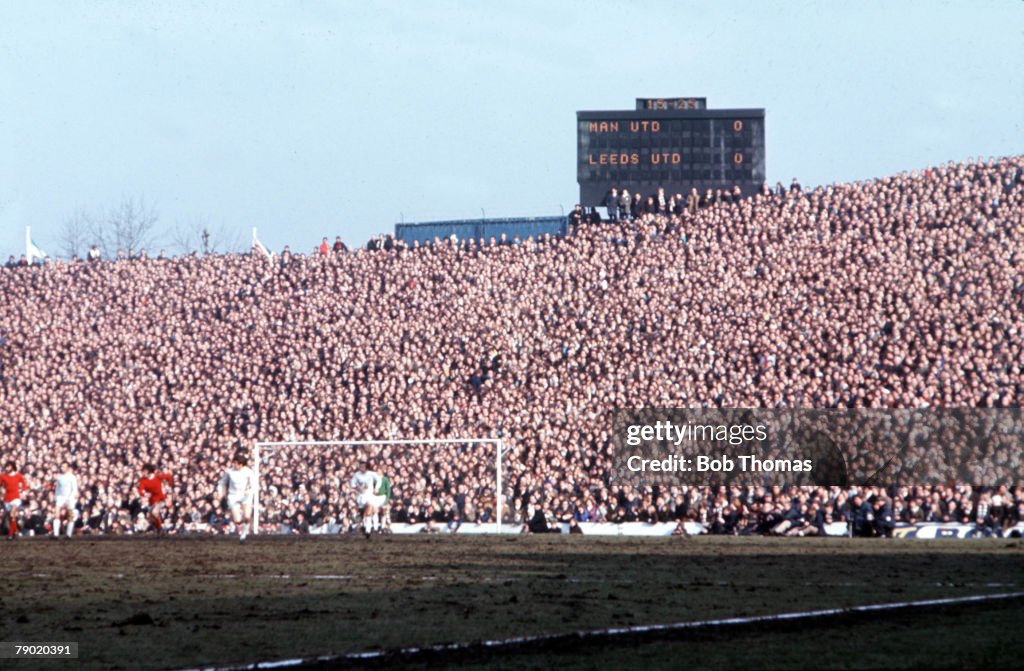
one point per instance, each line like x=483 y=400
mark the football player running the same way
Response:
x=366 y=483
x=66 y=493
x=151 y=486
x=13 y=484
x=239 y=487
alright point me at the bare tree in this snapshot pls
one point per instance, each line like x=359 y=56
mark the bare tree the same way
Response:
x=200 y=236
x=129 y=226
x=76 y=233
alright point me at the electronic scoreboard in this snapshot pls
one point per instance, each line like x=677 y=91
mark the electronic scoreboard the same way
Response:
x=676 y=143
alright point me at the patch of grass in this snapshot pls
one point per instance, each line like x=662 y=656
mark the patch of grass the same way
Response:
x=962 y=637
x=163 y=603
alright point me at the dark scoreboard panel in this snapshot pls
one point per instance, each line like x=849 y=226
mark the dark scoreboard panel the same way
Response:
x=671 y=103
x=673 y=148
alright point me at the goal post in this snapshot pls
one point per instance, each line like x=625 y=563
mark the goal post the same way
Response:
x=263 y=449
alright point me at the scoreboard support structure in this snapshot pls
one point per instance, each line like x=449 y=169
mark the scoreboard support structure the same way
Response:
x=672 y=143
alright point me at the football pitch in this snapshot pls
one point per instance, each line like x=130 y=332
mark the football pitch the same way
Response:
x=148 y=603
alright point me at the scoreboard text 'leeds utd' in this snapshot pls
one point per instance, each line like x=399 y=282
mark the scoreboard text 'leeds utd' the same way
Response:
x=676 y=143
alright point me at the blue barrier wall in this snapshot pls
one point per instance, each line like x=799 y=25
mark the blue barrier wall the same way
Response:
x=476 y=229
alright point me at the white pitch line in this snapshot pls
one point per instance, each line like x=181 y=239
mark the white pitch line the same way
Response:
x=274 y=576
x=618 y=631
x=286 y=576
x=331 y=577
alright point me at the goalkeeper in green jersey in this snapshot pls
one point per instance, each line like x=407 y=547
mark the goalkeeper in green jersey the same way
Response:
x=384 y=490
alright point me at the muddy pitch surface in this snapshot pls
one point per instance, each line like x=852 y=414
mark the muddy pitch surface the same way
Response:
x=139 y=603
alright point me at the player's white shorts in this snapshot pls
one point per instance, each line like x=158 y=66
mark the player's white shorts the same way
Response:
x=236 y=503
x=11 y=505
x=367 y=499
x=65 y=503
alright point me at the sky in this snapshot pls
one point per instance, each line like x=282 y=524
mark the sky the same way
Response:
x=319 y=119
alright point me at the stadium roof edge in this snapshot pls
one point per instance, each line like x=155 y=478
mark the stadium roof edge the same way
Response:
x=492 y=220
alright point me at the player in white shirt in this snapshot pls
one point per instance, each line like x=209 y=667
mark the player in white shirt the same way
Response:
x=366 y=482
x=66 y=493
x=239 y=486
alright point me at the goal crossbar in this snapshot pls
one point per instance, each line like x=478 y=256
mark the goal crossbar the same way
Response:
x=499 y=450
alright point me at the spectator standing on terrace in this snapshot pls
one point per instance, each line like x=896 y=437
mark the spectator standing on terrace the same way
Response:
x=576 y=217
x=679 y=204
x=661 y=201
x=611 y=201
x=693 y=201
x=625 y=206
x=324 y=247
x=861 y=516
x=885 y=521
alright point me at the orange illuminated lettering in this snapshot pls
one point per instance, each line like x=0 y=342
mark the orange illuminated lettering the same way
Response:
x=645 y=126
x=621 y=158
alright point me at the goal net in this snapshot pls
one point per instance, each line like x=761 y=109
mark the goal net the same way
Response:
x=438 y=484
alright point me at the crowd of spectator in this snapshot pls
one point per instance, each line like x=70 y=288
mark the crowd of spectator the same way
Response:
x=621 y=206
x=902 y=292
x=791 y=510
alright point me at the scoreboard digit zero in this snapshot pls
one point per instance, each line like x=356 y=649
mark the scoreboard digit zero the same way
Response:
x=674 y=143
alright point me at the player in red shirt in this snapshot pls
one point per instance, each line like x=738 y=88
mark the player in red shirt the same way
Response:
x=13 y=484
x=151 y=487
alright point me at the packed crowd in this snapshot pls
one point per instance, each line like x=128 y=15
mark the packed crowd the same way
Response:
x=901 y=292
x=623 y=206
x=790 y=510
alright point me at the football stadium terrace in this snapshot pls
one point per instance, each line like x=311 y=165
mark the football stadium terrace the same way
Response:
x=901 y=292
